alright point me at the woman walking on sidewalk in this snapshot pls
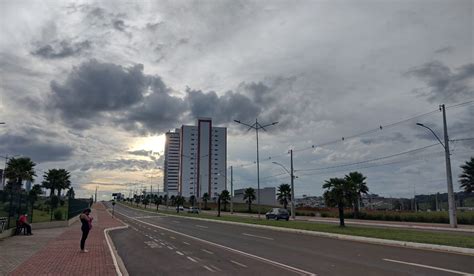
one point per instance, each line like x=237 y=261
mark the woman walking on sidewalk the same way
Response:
x=86 y=226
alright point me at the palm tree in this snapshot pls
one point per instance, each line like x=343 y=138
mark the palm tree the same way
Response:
x=18 y=170
x=70 y=193
x=179 y=201
x=173 y=200
x=33 y=197
x=249 y=196
x=56 y=179
x=158 y=200
x=64 y=181
x=466 y=178
x=339 y=193
x=192 y=200
x=145 y=201
x=284 y=194
x=357 y=179
x=137 y=199
x=205 y=198
x=225 y=197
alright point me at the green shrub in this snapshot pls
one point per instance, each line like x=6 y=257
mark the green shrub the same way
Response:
x=58 y=215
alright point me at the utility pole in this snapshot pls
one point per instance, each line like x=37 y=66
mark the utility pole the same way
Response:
x=95 y=193
x=292 y=187
x=231 y=191
x=257 y=126
x=3 y=173
x=451 y=204
x=449 y=177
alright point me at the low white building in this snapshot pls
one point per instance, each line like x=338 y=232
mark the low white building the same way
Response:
x=267 y=196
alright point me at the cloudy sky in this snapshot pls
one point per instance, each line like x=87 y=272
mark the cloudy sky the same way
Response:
x=92 y=86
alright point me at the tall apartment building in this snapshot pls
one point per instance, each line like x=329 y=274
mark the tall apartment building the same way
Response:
x=172 y=159
x=202 y=160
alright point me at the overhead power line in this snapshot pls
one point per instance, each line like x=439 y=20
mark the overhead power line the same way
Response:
x=370 y=160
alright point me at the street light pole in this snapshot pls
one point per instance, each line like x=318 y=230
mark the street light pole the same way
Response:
x=257 y=126
x=292 y=187
x=231 y=191
x=292 y=176
x=449 y=176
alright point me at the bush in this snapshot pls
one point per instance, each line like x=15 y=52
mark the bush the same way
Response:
x=58 y=215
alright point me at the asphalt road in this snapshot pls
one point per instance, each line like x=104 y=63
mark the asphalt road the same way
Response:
x=162 y=245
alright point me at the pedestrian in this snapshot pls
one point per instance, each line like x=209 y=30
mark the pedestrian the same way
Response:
x=24 y=221
x=86 y=226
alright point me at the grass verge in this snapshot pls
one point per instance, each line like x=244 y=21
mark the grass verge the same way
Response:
x=440 y=238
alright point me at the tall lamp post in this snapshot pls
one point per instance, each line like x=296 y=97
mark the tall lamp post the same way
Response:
x=292 y=175
x=257 y=126
x=451 y=204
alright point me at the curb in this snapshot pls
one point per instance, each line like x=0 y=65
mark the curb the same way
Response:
x=413 y=245
x=118 y=263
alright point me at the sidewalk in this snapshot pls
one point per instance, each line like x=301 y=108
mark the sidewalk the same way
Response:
x=62 y=256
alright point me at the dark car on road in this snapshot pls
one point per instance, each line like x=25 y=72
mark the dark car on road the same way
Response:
x=277 y=214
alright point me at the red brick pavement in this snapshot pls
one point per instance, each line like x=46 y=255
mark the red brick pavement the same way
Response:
x=62 y=256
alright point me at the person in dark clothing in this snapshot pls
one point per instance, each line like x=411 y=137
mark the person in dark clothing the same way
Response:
x=23 y=220
x=86 y=226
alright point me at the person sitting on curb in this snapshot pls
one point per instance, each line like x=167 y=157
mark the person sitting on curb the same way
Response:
x=23 y=220
x=86 y=226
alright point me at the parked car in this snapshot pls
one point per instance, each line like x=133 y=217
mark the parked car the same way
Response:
x=194 y=210
x=277 y=214
x=181 y=208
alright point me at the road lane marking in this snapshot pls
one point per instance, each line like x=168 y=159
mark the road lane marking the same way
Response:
x=207 y=251
x=170 y=248
x=208 y=268
x=216 y=268
x=428 y=266
x=261 y=237
x=201 y=226
x=237 y=263
x=186 y=243
x=274 y=263
x=171 y=237
x=179 y=253
x=192 y=260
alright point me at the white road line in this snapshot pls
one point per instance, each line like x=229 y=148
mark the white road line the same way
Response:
x=192 y=260
x=170 y=248
x=172 y=237
x=207 y=251
x=162 y=243
x=179 y=253
x=274 y=263
x=430 y=267
x=216 y=268
x=237 y=263
x=186 y=243
x=208 y=268
x=261 y=237
x=201 y=226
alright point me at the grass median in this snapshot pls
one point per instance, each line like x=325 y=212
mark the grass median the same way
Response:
x=420 y=236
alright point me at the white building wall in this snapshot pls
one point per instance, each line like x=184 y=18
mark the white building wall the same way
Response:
x=172 y=160
x=203 y=159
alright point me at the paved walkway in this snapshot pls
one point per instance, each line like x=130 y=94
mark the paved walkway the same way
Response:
x=62 y=256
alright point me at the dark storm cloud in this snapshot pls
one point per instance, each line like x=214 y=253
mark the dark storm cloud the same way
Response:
x=61 y=49
x=445 y=85
x=94 y=87
x=119 y=25
x=105 y=93
x=223 y=109
x=33 y=145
